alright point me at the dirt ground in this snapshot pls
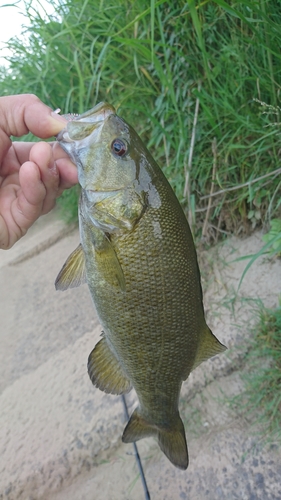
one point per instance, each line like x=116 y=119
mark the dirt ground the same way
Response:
x=60 y=438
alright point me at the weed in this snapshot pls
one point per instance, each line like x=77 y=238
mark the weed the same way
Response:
x=68 y=204
x=273 y=238
x=162 y=63
x=271 y=248
x=261 y=400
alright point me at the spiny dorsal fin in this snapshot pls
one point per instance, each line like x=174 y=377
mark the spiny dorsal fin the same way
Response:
x=171 y=438
x=73 y=272
x=208 y=347
x=105 y=370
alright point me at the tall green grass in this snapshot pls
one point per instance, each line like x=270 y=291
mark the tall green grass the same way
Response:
x=157 y=62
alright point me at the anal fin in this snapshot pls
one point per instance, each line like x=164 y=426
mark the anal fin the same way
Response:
x=105 y=370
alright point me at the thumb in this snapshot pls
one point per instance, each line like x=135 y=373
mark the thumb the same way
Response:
x=25 y=113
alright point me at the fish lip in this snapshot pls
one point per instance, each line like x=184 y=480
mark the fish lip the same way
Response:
x=96 y=115
x=63 y=136
x=103 y=109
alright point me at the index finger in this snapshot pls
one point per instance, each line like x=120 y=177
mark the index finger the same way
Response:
x=25 y=113
x=22 y=150
x=20 y=114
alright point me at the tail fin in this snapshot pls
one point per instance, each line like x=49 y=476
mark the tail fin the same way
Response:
x=171 y=439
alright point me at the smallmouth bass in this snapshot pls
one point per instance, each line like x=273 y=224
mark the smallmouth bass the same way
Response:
x=138 y=258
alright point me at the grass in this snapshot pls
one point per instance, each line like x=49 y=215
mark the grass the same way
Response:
x=272 y=247
x=260 y=403
x=157 y=62
x=273 y=238
x=67 y=204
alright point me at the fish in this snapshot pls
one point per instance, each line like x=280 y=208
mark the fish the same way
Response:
x=137 y=255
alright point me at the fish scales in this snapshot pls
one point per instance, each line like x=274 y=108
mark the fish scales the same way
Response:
x=138 y=258
x=149 y=303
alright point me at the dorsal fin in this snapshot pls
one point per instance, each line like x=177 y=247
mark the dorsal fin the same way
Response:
x=73 y=272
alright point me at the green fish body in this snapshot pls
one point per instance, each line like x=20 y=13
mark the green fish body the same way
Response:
x=138 y=258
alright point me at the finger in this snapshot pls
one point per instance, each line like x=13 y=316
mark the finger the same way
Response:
x=19 y=153
x=57 y=171
x=68 y=174
x=20 y=114
x=41 y=154
x=29 y=202
x=25 y=113
x=67 y=169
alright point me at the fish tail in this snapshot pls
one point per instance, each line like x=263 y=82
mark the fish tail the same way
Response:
x=171 y=439
x=172 y=442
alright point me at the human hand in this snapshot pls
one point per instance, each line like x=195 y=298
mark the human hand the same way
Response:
x=32 y=175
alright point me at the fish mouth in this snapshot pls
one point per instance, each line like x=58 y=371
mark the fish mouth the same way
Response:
x=99 y=113
x=80 y=126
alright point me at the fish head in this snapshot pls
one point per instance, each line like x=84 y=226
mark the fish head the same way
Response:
x=107 y=151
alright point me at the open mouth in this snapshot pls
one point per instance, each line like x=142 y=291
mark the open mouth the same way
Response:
x=80 y=126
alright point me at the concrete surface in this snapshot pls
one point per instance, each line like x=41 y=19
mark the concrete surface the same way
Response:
x=60 y=438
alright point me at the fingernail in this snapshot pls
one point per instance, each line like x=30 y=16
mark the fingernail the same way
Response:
x=53 y=167
x=58 y=123
x=58 y=117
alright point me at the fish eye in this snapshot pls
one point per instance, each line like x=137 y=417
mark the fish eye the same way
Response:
x=119 y=147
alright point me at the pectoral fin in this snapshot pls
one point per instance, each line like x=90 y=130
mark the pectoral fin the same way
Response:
x=107 y=260
x=105 y=370
x=208 y=347
x=73 y=272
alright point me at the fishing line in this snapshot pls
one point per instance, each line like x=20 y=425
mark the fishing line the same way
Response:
x=143 y=480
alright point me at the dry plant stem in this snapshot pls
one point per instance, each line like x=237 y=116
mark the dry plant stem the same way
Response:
x=268 y=212
x=214 y=151
x=203 y=209
x=274 y=172
x=219 y=230
x=186 y=191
